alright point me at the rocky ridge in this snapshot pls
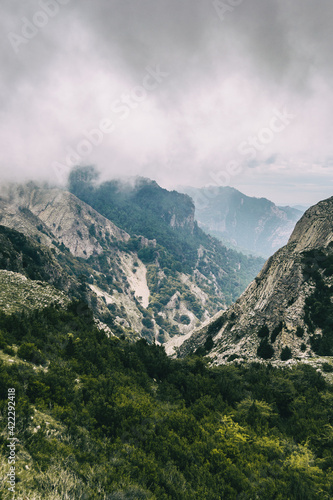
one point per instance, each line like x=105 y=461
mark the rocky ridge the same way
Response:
x=87 y=255
x=272 y=312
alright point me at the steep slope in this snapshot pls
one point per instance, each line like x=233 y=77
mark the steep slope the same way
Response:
x=133 y=284
x=287 y=311
x=22 y=254
x=74 y=242
x=102 y=418
x=19 y=293
x=54 y=214
x=250 y=224
x=142 y=207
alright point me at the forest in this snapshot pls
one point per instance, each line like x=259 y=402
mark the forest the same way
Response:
x=105 y=418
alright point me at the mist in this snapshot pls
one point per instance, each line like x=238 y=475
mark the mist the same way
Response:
x=184 y=92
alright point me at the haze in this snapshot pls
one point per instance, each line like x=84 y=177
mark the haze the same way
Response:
x=184 y=92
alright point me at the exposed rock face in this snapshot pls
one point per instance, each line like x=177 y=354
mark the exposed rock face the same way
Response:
x=71 y=228
x=272 y=308
x=184 y=222
x=88 y=256
x=315 y=229
x=69 y=220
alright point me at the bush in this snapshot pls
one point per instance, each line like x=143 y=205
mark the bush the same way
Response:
x=286 y=354
x=232 y=357
x=148 y=323
x=29 y=352
x=9 y=350
x=3 y=343
x=277 y=330
x=300 y=332
x=265 y=350
x=148 y=334
x=92 y=230
x=327 y=368
x=209 y=344
x=263 y=332
x=147 y=255
x=184 y=319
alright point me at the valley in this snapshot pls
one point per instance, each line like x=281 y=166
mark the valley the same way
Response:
x=152 y=361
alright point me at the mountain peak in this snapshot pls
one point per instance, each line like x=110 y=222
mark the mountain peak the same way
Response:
x=286 y=312
x=315 y=228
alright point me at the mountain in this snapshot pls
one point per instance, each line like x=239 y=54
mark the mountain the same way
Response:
x=301 y=208
x=180 y=249
x=100 y=415
x=253 y=225
x=135 y=286
x=286 y=312
x=141 y=207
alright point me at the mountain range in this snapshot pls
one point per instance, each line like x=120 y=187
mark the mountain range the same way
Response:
x=92 y=281
x=247 y=224
x=133 y=252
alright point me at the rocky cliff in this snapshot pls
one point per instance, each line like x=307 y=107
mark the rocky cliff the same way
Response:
x=133 y=284
x=31 y=208
x=286 y=312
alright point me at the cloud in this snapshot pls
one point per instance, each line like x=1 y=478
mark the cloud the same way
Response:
x=225 y=79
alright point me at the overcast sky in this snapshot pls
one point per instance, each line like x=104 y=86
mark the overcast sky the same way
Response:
x=182 y=91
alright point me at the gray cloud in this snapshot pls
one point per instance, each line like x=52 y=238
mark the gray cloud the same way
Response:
x=224 y=80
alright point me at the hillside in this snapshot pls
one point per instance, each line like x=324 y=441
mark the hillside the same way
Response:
x=286 y=313
x=100 y=418
x=253 y=225
x=141 y=207
x=18 y=293
x=133 y=284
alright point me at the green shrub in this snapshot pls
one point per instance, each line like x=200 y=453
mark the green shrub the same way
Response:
x=209 y=344
x=263 y=332
x=3 y=342
x=29 y=352
x=277 y=330
x=286 y=354
x=300 y=332
x=265 y=349
x=184 y=319
x=148 y=323
x=9 y=350
x=327 y=368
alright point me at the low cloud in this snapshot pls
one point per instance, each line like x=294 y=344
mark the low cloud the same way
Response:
x=224 y=80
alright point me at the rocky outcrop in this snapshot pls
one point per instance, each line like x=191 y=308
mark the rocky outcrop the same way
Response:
x=88 y=256
x=271 y=311
x=31 y=208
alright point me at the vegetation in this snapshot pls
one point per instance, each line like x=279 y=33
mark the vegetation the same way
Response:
x=265 y=349
x=106 y=419
x=18 y=292
x=318 y=265
x=146 y=209
x=286 y=354
x=263 y=332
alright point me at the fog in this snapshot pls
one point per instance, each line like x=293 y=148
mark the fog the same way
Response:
x=188 y=92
